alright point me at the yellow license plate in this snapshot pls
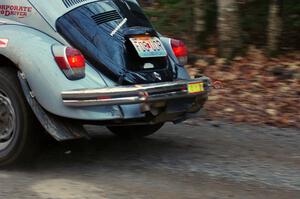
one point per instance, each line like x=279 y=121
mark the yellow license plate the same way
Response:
x=197 y=87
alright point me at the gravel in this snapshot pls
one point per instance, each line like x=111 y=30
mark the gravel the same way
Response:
x=202 y=160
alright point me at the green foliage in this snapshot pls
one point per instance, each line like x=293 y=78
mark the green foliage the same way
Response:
x=291 y=24
x=211 y=15
x=291 y=14
x=175 y=18
x=254 y=21
x=172 y=17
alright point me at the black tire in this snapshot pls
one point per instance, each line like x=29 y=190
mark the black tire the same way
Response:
x=22 y=144
x=136 y=131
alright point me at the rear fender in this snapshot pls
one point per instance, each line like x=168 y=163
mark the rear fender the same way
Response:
x=181 y=71
x=30 y=50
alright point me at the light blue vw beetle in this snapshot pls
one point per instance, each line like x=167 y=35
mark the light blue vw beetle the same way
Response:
x=67 y=63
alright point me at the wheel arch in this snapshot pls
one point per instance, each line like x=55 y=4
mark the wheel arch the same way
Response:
x=5 y=61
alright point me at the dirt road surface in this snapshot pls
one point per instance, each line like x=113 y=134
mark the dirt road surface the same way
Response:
x=183 y=161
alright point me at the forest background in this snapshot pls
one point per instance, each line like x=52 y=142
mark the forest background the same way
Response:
x=250 y=46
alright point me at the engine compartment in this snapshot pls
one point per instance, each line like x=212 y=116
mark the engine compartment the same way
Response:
x=89 y=28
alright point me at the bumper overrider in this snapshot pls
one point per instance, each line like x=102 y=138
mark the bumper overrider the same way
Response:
x=136 y=94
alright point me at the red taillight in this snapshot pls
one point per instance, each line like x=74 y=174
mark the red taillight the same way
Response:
x=75 y=58
x=70 y=61
x=180 y=50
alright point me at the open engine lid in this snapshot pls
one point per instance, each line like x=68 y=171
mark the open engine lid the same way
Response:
x=52 y=10
x=103 y=31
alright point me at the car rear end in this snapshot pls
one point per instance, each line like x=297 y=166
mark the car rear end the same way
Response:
x=143 y=72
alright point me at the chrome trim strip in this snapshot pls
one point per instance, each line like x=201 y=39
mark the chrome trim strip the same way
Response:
x=134 y=94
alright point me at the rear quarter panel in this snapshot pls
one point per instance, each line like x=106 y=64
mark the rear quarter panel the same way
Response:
x=181 y=71
x=31 y=51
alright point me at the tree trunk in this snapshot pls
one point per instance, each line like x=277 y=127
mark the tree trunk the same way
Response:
x=228 y=28
x=199 y=21
x=275 y=27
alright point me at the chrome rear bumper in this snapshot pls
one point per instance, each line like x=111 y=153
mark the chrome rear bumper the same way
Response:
x=134 y=94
